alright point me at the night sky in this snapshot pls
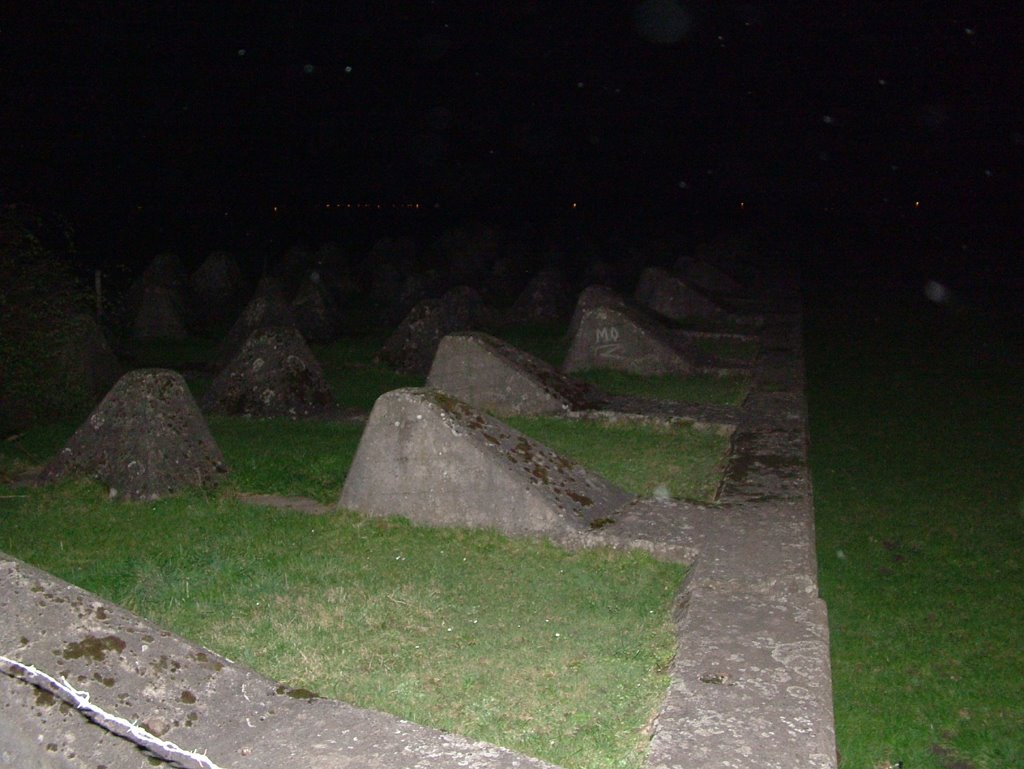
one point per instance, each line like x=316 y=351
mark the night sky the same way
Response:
x=877 y=116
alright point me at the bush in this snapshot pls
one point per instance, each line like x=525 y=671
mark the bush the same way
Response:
x=41 y=318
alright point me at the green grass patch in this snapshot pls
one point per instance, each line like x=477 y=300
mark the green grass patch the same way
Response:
x=279 y=456
x=32 y=448
x=638 y=457
x=727 y=390
x=917 y=454
x=355 y=380
x=561 y=655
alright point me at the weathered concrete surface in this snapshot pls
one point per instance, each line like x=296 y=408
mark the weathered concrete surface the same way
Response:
x=621 y=338
x=160 y=315
x=670 y=296
x=218 y=290
x=490 y=374
x=432 y=458
x=707 y=276
x=316 y=312
x=183 y=693
x=590 y=298
x=750 y=688
x=546 y=298
x=411 y=347
x=267 y=307
x=751 y=683
x=275 y=374
x=145 y=440
x=608 y=332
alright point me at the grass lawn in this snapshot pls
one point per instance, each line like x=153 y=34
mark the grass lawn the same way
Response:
x=723 y=390
x=917 y=455
x=560 y=655
x=639 y=458
x=438 y=626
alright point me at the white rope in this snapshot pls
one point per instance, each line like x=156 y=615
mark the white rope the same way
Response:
x=168 y=751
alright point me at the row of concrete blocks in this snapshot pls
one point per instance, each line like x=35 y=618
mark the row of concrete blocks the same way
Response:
x=750 y=684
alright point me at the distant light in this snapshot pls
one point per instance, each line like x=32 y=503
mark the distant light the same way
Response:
x=348 y=70
x=309 y=69
x=968 y=31
x=743 y=204
x=883 y=81
x=241 y=52
x=574 y=205
x=917 y=204
x=827 y=119
x=936 y=292
x=579 y=84
x=683 y=185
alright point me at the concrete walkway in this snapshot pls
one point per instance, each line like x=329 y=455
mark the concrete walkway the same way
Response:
x=750 y=686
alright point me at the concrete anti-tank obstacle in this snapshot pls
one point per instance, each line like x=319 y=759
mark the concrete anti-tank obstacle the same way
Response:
x=145 y=440
x=670 y=296
x=275 y=374
x=707 y=276
x=493 y=375
x=433 y=459
x=267 y=307
x=623 y=339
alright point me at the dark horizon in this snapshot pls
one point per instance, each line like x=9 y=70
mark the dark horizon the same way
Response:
x=159 y=128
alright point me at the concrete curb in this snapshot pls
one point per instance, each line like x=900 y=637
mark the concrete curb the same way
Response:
x=751 y=683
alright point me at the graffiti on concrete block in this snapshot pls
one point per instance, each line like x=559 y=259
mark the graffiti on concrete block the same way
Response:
x=607 y=343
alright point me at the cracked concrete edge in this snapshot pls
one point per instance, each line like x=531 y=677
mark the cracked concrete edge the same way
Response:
x=183 y=693
x=752 y=687
x=751 y=684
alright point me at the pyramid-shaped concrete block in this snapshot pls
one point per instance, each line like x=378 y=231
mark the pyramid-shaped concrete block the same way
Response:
x=218 y=290
x=159 y=315
x=275 y=374
x=670 y=296
x=434 y=459
x=624 y=338
x=315 y=310
x=707 y=276
x=267 y=307
x=145 y=440
x=411 y=347
x=492 y=375
x=589 y=298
